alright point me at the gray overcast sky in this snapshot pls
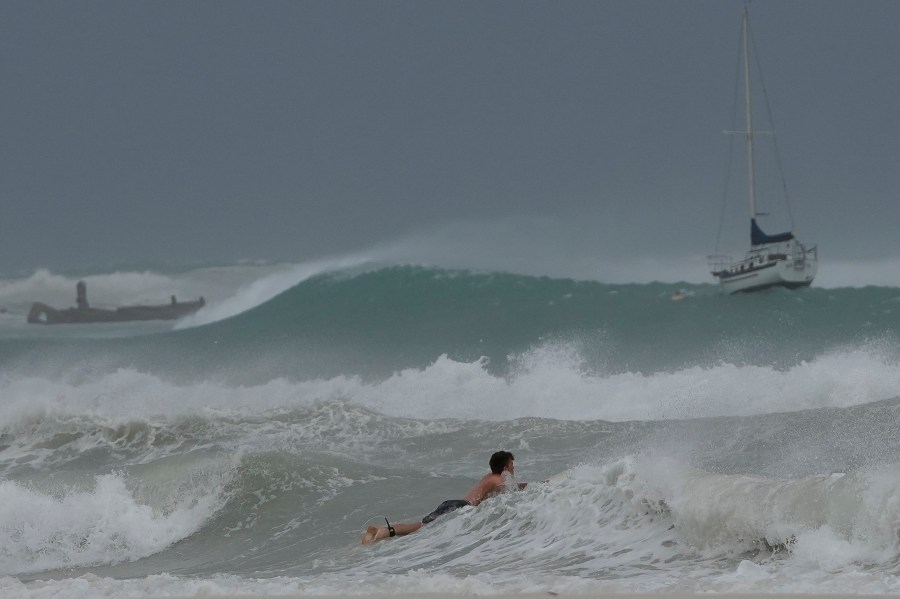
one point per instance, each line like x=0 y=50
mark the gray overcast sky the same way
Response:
x=190 y=132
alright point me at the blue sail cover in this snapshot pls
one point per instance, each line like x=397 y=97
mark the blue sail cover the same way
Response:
x=757 y=237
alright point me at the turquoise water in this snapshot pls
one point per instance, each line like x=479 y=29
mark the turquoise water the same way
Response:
x=376 y=322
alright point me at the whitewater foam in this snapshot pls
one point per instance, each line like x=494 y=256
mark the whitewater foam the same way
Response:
x=548 y=382
x=636 y=524
x=42 y=530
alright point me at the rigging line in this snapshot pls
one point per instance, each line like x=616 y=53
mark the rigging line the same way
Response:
x=765 y=91
x=730 y=162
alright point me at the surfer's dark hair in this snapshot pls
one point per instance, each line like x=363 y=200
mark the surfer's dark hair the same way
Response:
x=500 y=460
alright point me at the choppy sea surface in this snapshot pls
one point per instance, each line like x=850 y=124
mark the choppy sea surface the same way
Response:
x=713 y=444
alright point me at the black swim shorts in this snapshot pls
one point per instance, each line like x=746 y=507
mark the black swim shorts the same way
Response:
x=447 y=506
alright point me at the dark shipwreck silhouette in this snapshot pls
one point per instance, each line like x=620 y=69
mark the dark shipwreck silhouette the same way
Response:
x=41 y=313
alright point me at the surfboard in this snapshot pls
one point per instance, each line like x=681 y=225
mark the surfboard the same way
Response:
x=558 y=477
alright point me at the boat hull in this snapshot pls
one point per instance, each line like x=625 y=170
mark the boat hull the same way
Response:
x=43 y=314
x=758 y=273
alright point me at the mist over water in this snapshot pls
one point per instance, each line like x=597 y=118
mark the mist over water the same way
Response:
x=713 y=443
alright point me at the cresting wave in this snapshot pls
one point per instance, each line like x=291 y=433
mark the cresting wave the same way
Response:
x=549 y=381
x=639 y=523
x=201 y=461
x=374 y=323
x=662 y=511
x=70 y=527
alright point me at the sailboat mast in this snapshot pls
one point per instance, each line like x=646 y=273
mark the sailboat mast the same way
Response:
x=751 y=183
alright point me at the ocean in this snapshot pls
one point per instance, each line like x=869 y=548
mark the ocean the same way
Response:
x=713 y=444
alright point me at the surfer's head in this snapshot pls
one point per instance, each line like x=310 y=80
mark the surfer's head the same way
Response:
x=501 y=460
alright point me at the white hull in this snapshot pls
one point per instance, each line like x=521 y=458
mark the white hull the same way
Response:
x=767 y=267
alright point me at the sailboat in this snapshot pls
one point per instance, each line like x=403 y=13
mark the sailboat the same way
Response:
x=777 y=260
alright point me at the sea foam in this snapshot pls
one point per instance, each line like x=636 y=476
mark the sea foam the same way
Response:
x=42 y=530
x=549 y=382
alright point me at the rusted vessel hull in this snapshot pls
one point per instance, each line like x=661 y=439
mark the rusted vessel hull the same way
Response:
x=43 y=314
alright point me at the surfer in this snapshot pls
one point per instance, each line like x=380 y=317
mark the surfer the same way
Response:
x=490 y=484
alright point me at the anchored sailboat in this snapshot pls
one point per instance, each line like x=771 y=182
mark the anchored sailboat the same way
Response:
x=778 y=260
